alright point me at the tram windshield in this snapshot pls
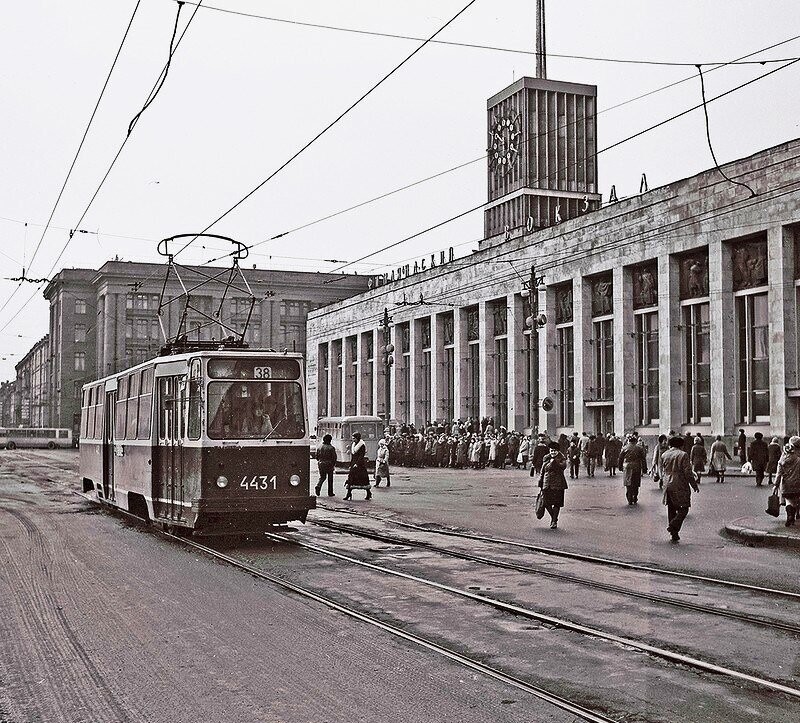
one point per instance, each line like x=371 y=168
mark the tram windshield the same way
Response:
x=255 y=410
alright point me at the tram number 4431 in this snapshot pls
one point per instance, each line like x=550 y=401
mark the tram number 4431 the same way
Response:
x=259 y=482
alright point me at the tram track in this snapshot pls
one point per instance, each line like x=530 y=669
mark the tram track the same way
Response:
x=608 y=587
x=663 y=653
x=581 y=712
x=566 y=554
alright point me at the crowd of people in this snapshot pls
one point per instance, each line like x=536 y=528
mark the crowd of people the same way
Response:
x=676 y=461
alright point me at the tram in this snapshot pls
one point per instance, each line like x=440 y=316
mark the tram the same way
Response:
x=205 y=439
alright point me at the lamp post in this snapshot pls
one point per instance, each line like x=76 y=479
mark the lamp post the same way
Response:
x=388 y=360
x=535 y=321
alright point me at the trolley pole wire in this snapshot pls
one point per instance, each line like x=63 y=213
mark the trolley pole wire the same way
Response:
x=332 y=123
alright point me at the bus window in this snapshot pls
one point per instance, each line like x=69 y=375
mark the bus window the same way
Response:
x=63 y=434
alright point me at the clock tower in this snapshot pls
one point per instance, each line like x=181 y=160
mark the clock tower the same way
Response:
x=542 y=151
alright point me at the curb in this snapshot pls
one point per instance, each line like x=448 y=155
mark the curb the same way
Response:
x=753 y=536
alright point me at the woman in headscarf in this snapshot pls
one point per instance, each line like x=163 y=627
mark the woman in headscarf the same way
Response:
x=553 y=482
x=382 y=464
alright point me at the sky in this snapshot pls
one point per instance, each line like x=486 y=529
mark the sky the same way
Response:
x=244 y=94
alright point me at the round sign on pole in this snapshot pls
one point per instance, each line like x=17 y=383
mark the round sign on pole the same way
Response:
x=547 y=404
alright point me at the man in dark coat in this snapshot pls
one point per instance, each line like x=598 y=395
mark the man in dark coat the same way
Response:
x=741 y=442
x=679 y=481
x=613 y=448
x=539 y=453
x=633 y=459
x=326 y=461
x=553 y=482
x=758 y=456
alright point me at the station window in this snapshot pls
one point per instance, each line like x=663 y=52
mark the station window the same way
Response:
x=80 y=361
x=80 y=333
x=80 y=306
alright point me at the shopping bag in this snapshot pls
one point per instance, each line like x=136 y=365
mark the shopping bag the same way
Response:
x=747 y=468
x=539 y=506
x=773 y=505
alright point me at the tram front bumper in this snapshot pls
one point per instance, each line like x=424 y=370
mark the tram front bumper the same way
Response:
x=227 y=517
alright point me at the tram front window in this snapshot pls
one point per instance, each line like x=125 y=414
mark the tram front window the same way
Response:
x=255 y=410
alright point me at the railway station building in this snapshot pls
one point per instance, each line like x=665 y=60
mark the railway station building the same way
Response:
x=106 y=320
x=675 y=309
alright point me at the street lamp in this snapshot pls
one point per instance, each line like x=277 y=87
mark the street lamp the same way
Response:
x=388 y=360
x=534 y=321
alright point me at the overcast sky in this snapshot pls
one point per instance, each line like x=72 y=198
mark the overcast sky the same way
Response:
x=243 y=94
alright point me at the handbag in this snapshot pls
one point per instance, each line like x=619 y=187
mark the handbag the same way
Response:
x=773 y=505
x=539 y=505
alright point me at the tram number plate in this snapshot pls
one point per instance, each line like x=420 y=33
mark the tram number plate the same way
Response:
x=262 y=372
x=259 y=482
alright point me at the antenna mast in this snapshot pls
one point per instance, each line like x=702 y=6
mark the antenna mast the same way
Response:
x=541 y=45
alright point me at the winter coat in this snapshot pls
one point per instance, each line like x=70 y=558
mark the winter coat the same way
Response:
x=540 y=451
x=524 y=446
x=719 y=453
x=678 y=477
x=774 y=452
x=326 y=457
x=758 y=455
x=634 y=460
x=552 y=475
x=613 y=448
x=788 y=479
x=698 y=457
x=741 y=442
x=382 y=461
x=358 y=451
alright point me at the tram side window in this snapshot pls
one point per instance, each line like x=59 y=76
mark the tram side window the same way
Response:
x=165 y=400
x=133 y=405
x=99 y=410
x=84 y=413
x=145 y=404
x=195 y=399
x=121 y=414
x=90 y=412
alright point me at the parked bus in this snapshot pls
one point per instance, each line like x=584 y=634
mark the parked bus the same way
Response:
x=342 y=430
x=42 y=437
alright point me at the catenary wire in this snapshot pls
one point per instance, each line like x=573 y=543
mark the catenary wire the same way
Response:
x=478 y=46
x=99 y=186
x=332 y=123
x=80 y=147
x=567 y=167
x=484 y=156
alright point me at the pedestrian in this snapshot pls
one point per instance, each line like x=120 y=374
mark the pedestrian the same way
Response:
x=358 y=449
x=633 y=459
x=358 y=478
x=592 y=452
x=552 y=482
x=698 y=456
x=719 y=455
x=741 y=443
x=382 y=464
x=540 y=451
x=574 y=457
x=524 y=451
x=513 y=450
x=613 y=448
x=326 y=462
x=774 y=452
x=679 y=480
x=787 y=480
x=758 y=456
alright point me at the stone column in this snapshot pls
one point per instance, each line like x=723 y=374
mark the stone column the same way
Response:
x=782 y=329
x=722 y=337
x=335 y=408
x=487 y=371
x=437 y=368
x=670 y=346
x=415 y=375
x=516 y=361
x=460 y=349
x=625 y=389
x=547 y=340
x=584 y=362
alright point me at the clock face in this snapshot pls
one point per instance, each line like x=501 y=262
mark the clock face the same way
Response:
x=504 y=137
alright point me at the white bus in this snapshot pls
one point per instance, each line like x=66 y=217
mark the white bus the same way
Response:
x=342 y=430
x=42 y=437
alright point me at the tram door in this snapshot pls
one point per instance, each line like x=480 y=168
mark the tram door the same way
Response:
x=108 y=445
x=168 y=480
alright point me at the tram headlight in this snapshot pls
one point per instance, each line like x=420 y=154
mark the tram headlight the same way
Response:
x=294 y=480
x=222 y=481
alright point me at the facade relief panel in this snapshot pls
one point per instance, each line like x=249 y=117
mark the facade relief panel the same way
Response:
x=645 y=285
x=563 y=294
x=602 y=299
x=694 y=274
x=749 y=264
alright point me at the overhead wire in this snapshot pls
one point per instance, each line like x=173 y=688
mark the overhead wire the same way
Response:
x=478 y=46
x=80 y=145
x=330 y=125
x=484 y=156
x=100 y=185
x=567 y=167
